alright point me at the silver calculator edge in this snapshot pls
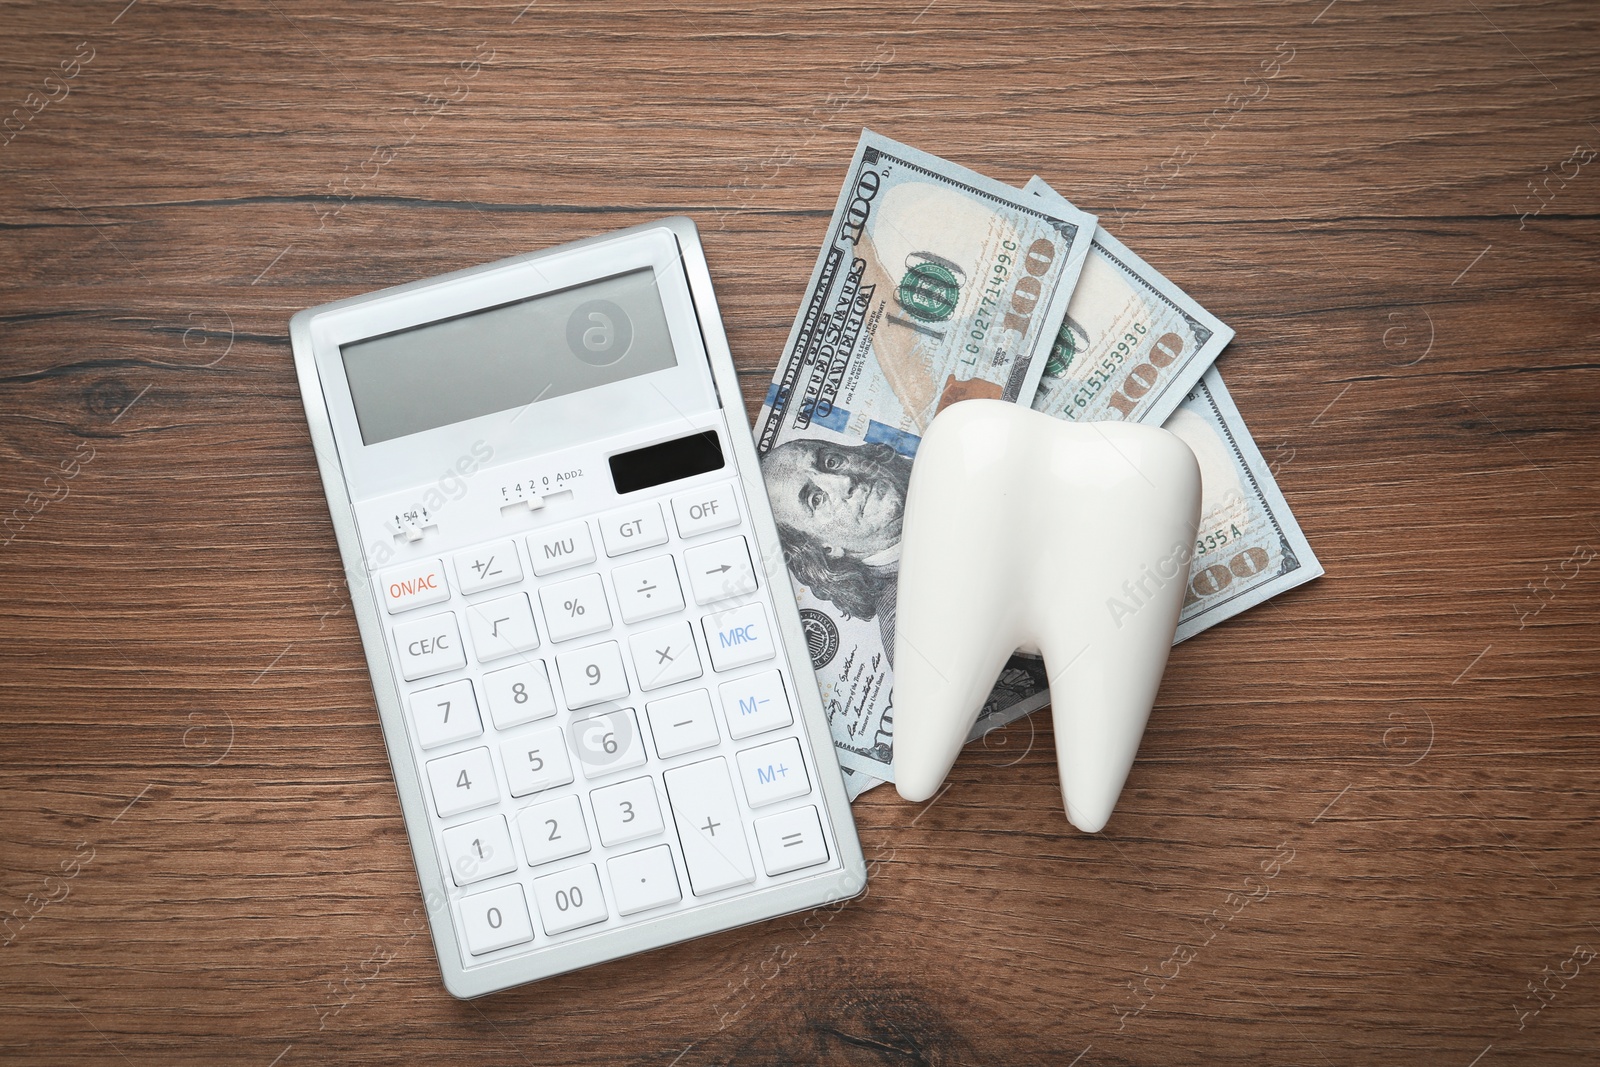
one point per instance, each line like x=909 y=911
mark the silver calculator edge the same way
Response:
x=714 y=917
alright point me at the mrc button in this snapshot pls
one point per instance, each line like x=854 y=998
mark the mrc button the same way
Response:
x=735 y=638
x=414 y=585
x=710 y=507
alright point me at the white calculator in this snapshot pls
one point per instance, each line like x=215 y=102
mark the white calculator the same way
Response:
x=591 y=673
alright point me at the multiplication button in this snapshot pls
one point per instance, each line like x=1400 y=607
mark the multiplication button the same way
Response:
x=665 y=655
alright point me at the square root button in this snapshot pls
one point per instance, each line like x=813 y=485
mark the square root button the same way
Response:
x=791 y=840
x=738 y=637
x=773 y=772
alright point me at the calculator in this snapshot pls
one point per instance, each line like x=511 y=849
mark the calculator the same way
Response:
x=592 y=677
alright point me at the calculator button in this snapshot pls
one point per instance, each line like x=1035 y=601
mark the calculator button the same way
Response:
x=519 y=694
x=773 y=772
x=445 y=713
x=429 y=646
x=592 y=675
x=738 y=637
x=647 y=589
x=576 y=608
x=570 y=899
x=644 y=880
x=560 y=548
x=553 y=830
x=755 y=704
x=665 y=655
x=633 y=528
x=502 y=627
x=414 y=585
x=709 y=826
x=496 y=919
x=488 y=567
x=720 y=570
x=479 y=850
x=608 y=743
x=682 y=723
x=791 y=840
x=710 y=507
x=536 y=761
x=626 y=812
x=462 y=782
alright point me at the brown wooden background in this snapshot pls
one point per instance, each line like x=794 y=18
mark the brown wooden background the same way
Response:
x=185 y=718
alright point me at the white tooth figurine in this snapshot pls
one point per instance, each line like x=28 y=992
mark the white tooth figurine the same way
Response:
x=1022 y=531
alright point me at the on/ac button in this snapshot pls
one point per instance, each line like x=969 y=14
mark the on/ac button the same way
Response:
x=414 y=585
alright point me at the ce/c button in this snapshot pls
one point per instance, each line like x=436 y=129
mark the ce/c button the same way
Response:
x=429 y=646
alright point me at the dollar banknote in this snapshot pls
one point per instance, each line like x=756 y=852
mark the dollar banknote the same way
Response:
x=1248 y=549
x=934 y=284
x=1132 y=344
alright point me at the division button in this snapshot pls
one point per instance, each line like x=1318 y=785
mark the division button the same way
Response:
x=791 y=840
x=720 y=570
x=644 y=880
x=429 y=646
x=647 y=589
x=413 y=586
x=709 y=826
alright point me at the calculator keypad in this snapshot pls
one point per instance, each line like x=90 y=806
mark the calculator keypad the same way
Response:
x=605 y=735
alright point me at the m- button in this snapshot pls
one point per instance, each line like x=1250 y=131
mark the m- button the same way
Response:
x=710 y=507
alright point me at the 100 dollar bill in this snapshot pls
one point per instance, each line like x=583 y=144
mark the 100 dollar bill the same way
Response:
x=934 y=284
x=1132 y=345
x=1248 y=548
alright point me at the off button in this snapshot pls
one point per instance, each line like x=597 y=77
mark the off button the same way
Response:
x=711 y=507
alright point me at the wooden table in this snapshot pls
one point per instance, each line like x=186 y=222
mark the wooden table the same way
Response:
x=1362 y=828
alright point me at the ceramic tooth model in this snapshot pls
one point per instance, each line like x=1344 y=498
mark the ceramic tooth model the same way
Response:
x=1022 y=531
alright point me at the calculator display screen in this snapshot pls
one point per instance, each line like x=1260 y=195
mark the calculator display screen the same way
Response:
x=504 y=357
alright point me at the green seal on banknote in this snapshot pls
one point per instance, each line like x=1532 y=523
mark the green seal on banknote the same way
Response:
x=929 y=291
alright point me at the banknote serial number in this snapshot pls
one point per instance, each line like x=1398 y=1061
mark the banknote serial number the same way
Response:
x=1216 y=539
x=1101 y=377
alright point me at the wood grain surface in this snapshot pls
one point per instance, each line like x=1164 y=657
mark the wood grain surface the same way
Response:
x=1363 y=824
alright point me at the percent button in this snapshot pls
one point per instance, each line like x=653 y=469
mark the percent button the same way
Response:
x=576 y=608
